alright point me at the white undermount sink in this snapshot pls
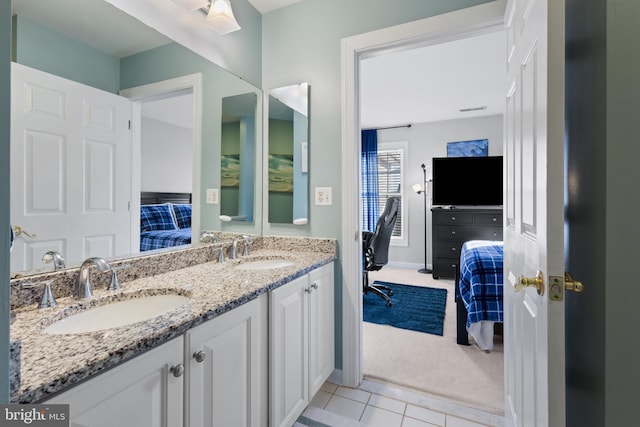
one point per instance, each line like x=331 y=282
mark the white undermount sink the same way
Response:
x=116 y=314
x=264 y=264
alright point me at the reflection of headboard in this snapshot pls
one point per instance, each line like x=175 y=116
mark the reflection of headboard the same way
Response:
x=152 y=197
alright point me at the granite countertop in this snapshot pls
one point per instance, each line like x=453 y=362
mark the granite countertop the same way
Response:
x=50 y=363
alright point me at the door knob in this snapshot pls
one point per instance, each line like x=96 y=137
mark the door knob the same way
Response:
x=535 y=282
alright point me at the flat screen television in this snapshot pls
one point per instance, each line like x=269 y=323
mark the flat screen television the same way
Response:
x=467 y=181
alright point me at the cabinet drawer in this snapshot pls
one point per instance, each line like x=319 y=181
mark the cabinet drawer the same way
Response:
x=453 y=217
x=487 y=219
x=448 y=249
x=445 y=268
x=456 y=233
x=488 y=233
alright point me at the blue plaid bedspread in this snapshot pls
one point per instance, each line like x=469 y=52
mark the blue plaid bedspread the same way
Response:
x=159 y=239
x=481 y=280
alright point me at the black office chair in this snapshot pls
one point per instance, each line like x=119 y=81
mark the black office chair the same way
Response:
x=375 y=248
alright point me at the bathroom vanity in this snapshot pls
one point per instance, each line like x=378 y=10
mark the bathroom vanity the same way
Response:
x=211 y=361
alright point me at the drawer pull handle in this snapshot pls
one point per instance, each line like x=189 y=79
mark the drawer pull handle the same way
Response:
x=495 y=219
x=453 y=249
x=453 y=232
x=453 y=218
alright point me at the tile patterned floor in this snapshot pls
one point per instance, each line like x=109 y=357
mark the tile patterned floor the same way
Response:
x=377 y=405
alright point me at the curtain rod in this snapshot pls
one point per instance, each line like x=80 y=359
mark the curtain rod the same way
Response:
x=390 y=127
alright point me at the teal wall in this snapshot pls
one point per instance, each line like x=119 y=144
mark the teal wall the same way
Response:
x=172 y=60
x=5 y=103
x=301 y=43
x=41 y=48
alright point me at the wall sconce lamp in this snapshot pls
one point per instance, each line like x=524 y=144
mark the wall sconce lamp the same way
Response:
x=219 y=14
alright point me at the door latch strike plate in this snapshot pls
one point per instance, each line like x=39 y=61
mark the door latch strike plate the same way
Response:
x=556 y=288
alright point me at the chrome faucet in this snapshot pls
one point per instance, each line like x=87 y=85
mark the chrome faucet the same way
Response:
x=208 y=237
x=234 y=246
x=84 y=285
x=56 y=258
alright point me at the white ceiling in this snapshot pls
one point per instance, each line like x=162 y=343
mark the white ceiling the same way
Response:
x=433 y=83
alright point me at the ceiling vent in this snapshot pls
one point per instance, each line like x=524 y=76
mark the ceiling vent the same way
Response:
x=466 y=110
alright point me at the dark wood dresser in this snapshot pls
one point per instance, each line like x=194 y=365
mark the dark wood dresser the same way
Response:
x=453 y=227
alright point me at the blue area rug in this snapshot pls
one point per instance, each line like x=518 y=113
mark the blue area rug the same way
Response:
x=417 y=308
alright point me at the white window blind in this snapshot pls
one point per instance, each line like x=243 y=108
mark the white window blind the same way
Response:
x=390 y=182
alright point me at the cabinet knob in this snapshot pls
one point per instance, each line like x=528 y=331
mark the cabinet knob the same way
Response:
x=177 y=370
x=495 y=219
x=313 y=286
x=199 y=356
x=453 y=249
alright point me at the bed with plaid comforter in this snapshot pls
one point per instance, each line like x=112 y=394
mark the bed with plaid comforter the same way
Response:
x=480 y=288
x=159 y=239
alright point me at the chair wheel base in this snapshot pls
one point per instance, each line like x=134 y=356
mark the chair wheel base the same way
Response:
x=389 y=303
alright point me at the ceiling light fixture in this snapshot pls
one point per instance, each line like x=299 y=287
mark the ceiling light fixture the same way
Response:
x=221 y=18
x=219 y=14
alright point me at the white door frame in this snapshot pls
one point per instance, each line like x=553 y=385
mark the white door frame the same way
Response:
x=456 y=25
x=159 y=90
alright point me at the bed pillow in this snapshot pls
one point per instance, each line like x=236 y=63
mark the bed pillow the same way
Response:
x=156 y=217
x=182 y=213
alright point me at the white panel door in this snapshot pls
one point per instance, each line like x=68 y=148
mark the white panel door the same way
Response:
x=288 y=353
x=534 y=213
x=141 y=392
x=70 y=169
x=226 y=373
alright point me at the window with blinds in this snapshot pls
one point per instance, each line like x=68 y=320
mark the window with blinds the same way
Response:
x=390 y=179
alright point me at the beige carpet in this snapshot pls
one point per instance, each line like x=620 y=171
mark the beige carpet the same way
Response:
x=430 y=363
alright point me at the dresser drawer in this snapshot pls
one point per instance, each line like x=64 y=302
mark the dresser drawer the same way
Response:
x=462 y=233
x=445 y=268
x=452 y=217
x=487 y=219
x=448 y=249
x=487 y=233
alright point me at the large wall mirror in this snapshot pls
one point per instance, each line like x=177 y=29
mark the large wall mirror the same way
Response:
x=174 y=148
x=288 y=187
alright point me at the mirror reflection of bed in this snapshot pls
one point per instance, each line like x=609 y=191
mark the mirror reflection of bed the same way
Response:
x=165 y=220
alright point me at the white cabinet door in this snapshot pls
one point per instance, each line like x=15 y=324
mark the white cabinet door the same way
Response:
x=301 y=322
x=288 y=325
x=321 y=327
x=142 y=392
x=227 y=372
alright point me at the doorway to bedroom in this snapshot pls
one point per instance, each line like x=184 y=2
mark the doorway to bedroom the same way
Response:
x=166 y=135
x=438 y=111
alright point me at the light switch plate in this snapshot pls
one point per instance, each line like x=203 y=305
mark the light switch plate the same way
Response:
x=323 y=196
x=212 y=196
